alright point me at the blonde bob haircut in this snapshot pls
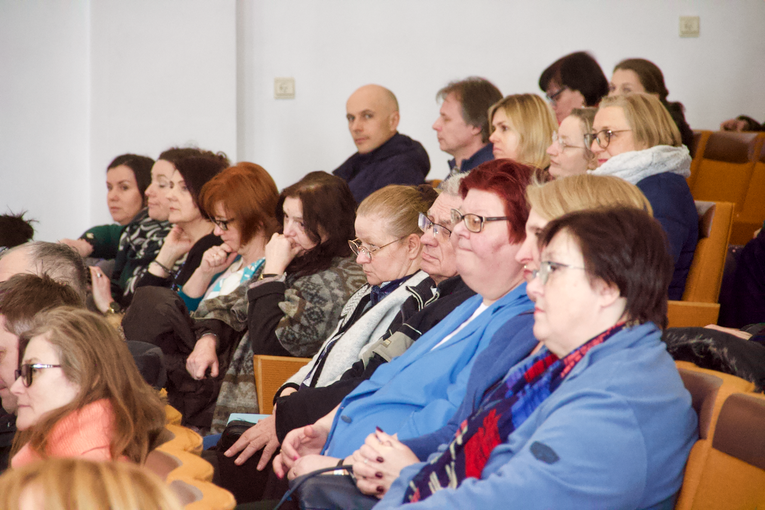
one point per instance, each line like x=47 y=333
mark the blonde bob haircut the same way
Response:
x=553 y=199
x=93 y=356
x=80 y=484
x=533 y=120
x=649 y=120
x=399 y=207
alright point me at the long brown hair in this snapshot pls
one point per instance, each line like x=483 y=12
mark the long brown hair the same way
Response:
x=329 y=211
x=93 y=356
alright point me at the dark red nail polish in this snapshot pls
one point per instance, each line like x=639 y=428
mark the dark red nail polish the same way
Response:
x=380 y=489
x=380 y=459
x=378 y=429
x=378 y=475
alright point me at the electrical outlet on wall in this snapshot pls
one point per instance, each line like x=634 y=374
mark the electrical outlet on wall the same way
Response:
x=284 y=88
x=689 y=26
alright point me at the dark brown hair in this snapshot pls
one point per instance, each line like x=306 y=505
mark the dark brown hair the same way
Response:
x=508 y=180
x=23 y=296
x=248 y=194
x=577 y=71
x=476 y=96
x=329 y=209
x=93 y=356
x=625 y=247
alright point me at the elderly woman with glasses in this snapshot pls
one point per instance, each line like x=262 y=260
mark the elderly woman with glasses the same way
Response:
x=419 y=391
x=598 y=417
x=77 y=395
x=635 y=138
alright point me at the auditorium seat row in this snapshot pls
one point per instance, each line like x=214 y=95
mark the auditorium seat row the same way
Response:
x=730 y=167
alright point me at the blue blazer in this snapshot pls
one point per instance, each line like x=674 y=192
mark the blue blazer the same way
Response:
x=419 y=391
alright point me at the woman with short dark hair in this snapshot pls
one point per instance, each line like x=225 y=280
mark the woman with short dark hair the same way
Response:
x=597 y=417
x=573 y=81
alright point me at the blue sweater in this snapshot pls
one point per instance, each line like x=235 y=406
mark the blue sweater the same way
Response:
x=420 y=390
x=615 y=434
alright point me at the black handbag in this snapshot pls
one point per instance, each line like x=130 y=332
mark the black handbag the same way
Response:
x=317 y=491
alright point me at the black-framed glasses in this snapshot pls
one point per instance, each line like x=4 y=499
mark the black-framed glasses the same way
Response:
x=553 y=98
x=547 y=267
x=425 y=223
x=602 y=137
x=28 y=370
x=358 y=247
x=563 y=145
x=473 y=222
x=222 y=224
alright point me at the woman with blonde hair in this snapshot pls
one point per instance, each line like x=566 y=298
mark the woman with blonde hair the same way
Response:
x=79 y=484
x=78 y=393
x=635 y=138
x=568 y=153
x=522 y=126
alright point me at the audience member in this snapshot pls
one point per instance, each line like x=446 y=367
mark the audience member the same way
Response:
x=643 y=76
x=636 y=139
x=583 y=419
x=21 y=298
x=573 y=81
x=522 y=126
x=241 y=201
x=419 y=391
x=431 y=300
x=77 y=396
x=568 y=154
x=79 y=484
x=742 y=123
x=15 y=230
x=58 y=261
x=384 y=155
x=133 y=239
x=463 y=125
x=192 y=233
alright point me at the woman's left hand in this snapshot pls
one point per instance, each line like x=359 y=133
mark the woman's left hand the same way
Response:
x=102 y=289
x=379 y=462
x=310 y=463
x=279 y=253
x=203 y=356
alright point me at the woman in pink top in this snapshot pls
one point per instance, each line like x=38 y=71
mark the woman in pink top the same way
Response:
x=80 y=394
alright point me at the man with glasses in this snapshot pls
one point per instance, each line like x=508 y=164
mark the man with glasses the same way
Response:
x=463 y=124
x=384 y=155
x=21 y=298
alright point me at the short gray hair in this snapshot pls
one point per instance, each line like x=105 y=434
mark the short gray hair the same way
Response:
x=58 y=261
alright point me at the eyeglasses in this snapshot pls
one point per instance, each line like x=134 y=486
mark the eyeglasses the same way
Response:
x=602 y=137
x=553 y=98
x=563 y=145
x=27 y=372
x=473 y=222
x=222 y=224
x=358 y=248
x=547 y=267
x=425 y=224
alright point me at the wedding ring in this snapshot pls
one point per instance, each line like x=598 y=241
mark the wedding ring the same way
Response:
x=366 y=461
x=98 y=274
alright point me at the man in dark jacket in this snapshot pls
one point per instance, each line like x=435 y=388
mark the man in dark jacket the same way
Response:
x=385 y=156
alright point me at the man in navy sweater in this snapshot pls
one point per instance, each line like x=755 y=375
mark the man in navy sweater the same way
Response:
x=384 y=155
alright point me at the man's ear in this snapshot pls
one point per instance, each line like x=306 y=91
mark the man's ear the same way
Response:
x=475 y=130
x=393 y=121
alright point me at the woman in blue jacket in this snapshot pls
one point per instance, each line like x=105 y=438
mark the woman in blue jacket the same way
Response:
x=582 y=423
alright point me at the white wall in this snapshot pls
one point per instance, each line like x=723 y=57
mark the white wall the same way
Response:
x=44 y=126
x=416 y=47
x=86 y=80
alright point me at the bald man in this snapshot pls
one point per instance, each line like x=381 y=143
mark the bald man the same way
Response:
x=384 y=156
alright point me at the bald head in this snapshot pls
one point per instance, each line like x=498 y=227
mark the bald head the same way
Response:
x=372 y=113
